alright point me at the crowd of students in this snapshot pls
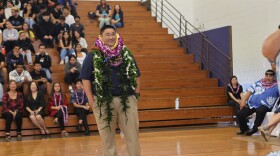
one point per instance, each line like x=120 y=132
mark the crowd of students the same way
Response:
x=52 y=22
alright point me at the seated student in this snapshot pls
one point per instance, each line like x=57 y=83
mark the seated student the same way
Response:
x=103 y=12
x=77 y=26
x=72 y=71
x=26 y=47
x=72 y=9
x=28 y=33
x=29 y=15
x=79 y=54
x=3 y=69
x=56 y=13
x=16 y=20
x=39 y=76
x=57 y=106
x=44 y=58
x=8 y=9
x=69 y=19
x=12 y=109
x=2 y=18
x=66 y=47
x=81 y=106
x=234 y=90
x=60 y=28
x=46 y=30
x=35 y=105
x=39 y=5
x=117 y=18
x=10 y=37
x=39 y=18
x=77 y=39
x=22 y=78
x=13 y=58
x=259 y=98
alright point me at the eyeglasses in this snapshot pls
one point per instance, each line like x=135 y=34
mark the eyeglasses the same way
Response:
x=270 y=74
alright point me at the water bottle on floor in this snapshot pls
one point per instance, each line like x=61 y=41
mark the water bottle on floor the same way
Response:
x=177 y=103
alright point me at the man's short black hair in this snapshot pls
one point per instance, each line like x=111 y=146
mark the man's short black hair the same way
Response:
x=19 y=64
x=106 y=27
x=272 y=72
x=78 y=80
x=61 y=17
x=46 y=13
x=37 y=62
x=43 y=7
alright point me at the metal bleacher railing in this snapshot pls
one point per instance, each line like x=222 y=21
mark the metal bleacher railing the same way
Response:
x=195 y=42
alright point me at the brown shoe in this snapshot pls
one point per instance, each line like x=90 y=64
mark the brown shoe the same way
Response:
x=265 y=134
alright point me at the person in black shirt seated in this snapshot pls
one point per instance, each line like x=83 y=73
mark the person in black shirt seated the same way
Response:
x=26 y=47
x=44 y=58
x=56 y=13
x=46 y=29
x=16 y=20
x=39 y=76
x=234 y=91
x=60 y=28
x=2 y=18
x=13 y=58
x=77 y=26
x=35 y=105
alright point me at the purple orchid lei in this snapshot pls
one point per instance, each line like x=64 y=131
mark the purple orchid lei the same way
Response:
x=111 y=55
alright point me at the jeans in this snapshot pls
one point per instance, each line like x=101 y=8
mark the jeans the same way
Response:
x=118 y=25
x=27 y=53
x=30 y=22
x=48 y=74
x=64 y=52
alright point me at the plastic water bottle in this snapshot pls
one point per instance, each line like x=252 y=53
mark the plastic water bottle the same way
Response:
x=177 y=103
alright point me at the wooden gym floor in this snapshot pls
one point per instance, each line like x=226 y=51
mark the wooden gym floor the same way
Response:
x=210 y=140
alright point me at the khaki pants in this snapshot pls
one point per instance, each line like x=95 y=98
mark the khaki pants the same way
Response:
x=129 y=128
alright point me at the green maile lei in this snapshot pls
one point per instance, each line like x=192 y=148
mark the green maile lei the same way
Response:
x=102 y=74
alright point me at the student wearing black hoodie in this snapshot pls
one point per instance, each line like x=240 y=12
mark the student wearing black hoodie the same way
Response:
x=46 y=29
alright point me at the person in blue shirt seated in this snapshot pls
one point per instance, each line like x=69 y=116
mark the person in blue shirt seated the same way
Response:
x=260 y=98
x=117 y=18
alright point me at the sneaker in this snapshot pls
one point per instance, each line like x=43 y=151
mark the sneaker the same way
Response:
x=8 y=137
x=70 y=88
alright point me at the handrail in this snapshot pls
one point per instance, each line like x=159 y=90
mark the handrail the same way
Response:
x=217 y=48
x=193 y=40
x=185 y=19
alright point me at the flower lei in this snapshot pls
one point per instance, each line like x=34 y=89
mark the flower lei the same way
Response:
x=63 y=109
x=55 y=102
x=102 y=74
x=77 y=98
x=267 y=85
x=112 y=54
x=234 y=92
